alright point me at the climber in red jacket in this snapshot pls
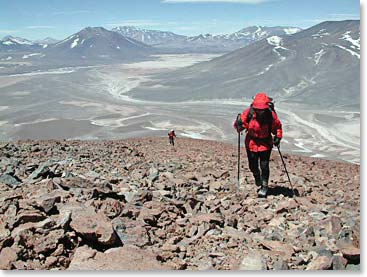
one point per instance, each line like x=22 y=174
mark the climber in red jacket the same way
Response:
x=261 y=122
x=171 y=137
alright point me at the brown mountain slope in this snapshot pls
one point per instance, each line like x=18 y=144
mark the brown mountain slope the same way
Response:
x=141 y=204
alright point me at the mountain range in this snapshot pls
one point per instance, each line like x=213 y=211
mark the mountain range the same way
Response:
x=161 y=40
x=319 y=65
x=203 y=42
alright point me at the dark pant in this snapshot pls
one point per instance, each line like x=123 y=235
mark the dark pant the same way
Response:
x=253 y=161
x=172 y=141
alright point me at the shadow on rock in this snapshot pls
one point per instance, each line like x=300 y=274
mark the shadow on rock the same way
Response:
x=278 y=190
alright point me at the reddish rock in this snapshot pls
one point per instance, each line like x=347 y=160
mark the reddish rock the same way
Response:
x=25 y=216
x=320 y=263
x=210 y=218
x=4 y=231
x=47 y=201
x=332 y=225
x=122 y=258
x=89 y=224
x=32 y=226
x=286 y=205
x=45 y=244
x=7 y=256
x=278 y=246
x=351 y=253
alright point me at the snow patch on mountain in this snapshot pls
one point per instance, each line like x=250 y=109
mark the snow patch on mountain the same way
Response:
x=318 y=55
x=355 y=42
x=259 y=33
x=265 y=70
x=277 y=42
x=8 y=42
x=31 y=55
x=349 y=51
x=291 y=31
x=303 y=84
x=320 y=34
x=74 y=43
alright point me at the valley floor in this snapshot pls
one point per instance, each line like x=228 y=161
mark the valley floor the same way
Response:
x=92 y=103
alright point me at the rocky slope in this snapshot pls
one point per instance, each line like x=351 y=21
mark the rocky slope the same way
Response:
x=141 y=204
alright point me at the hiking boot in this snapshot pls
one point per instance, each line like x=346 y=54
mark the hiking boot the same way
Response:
x=264 y=189
x=257 y=180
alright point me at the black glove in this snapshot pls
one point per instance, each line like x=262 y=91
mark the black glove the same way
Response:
x=277 y=141
x=239 y=124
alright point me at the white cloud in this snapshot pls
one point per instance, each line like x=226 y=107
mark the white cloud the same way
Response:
x=40 y=27
x=217 y=1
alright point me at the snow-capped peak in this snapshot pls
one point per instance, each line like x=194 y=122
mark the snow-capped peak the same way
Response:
x=9 y=40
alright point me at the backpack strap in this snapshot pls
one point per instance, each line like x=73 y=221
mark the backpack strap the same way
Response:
x=250 y=114
x=271 y=110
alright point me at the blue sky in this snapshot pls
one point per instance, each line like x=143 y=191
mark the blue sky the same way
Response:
x=60 y=18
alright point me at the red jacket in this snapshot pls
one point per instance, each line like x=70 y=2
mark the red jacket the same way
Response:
x=171 y=134
x=257 y=138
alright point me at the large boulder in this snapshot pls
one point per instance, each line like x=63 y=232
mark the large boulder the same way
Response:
x=90 y=224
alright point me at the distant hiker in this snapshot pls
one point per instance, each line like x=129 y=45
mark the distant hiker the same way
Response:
x=261 y=121
x=171 y=136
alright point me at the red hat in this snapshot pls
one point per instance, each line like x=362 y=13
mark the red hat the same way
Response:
x=261 y=101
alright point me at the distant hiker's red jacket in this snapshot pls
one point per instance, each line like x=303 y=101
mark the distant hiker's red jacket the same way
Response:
x=171 y=134
x=257 y=138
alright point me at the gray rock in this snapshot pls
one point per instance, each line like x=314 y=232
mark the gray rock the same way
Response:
x=47 y=202
x=93 y=175
x=120 y=229
x=280 y=264
x=41 y=171
x=9 y=180
x=153 y=174
x=356 y=267
x=253 y=261
x=339 y=262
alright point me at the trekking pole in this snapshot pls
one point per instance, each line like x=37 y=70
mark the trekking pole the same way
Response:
x=238 y=155
x=286 y=171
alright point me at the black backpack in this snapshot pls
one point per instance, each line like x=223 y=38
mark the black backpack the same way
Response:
x=271 y=109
